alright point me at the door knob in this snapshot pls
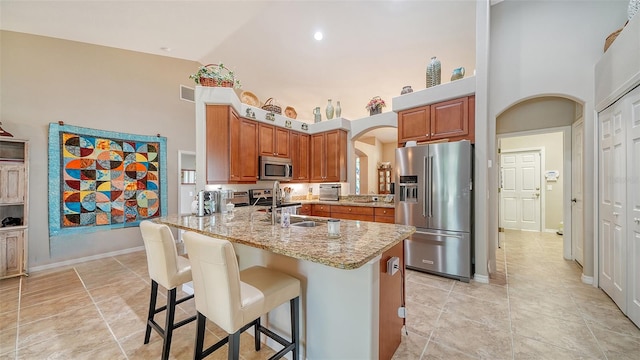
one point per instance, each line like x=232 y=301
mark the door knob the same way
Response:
x=636 y=220
x=574 y=200
x=537 y=194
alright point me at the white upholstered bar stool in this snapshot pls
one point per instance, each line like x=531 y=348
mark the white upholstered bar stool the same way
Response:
x=234 y=299
x=169 y=270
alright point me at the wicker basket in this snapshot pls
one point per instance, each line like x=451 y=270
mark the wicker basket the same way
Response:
x=610 y=39
x=271 y=107
x=214 y=82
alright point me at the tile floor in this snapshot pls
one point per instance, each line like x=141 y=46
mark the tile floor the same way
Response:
x=535 y=308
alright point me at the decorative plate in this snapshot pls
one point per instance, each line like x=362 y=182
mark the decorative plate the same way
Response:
x=290 y=112
x=249 y=98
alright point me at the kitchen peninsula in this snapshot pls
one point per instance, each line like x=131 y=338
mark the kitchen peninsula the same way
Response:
x=344 y=280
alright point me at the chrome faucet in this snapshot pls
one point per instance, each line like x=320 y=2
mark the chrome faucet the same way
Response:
x=274 y=200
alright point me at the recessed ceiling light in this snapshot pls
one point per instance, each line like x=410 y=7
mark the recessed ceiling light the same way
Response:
x=317 y=35
x=164 y=48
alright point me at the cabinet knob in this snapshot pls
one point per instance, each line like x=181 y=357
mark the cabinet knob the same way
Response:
x=384 y=211
x=349 y=209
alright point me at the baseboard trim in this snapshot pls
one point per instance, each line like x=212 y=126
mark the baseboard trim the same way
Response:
x=586 y=279
x=481 y=278
x=84 y=259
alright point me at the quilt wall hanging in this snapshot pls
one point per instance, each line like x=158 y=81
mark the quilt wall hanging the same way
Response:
x=100 y=180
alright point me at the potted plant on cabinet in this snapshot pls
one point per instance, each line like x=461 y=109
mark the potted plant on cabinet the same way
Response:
x=215 y=75
x=375 y=105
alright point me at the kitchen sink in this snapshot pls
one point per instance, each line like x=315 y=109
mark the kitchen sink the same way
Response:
x=308 y=223
x=303 y=221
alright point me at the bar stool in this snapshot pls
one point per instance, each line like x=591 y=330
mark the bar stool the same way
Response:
x=234 y=299
x=169 y=270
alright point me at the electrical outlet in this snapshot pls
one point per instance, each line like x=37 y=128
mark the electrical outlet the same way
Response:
x=374 y=198
x=393 y=265
x=402 y=312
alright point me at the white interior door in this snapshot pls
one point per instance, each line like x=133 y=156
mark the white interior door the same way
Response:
x=577 y=232
x=520 y=190
x=633 y=194
x=612 y=205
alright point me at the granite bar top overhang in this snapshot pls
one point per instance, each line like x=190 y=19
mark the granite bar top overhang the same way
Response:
x=359 y=243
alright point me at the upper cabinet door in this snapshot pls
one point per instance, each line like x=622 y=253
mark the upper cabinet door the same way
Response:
x=274 y=141
x=267 y=135
x=282 y=143
x=413 y=124
x=12 y=179
x=318 y=156
x=450 y=119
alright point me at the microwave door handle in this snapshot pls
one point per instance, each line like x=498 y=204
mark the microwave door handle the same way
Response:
x=289 y=172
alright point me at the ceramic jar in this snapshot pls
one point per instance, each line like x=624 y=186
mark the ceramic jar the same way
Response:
x=457 y=74
x=329 y=110
x=406 y=90
x=338 y=109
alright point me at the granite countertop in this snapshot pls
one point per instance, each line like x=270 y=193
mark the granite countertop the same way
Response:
x=342 y=202
x=360 y=241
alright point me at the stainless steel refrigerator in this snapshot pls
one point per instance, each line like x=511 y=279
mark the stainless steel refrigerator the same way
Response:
x=434 y=194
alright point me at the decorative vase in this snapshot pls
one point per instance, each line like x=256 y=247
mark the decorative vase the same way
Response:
x=317 y=117
x=375 y=110
x=338 y=110
x=329 y=110
x=406 y=90
x=457 y=74
x=433 y=72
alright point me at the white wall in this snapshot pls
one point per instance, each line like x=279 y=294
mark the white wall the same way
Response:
x=46 y=80
x=548 y=48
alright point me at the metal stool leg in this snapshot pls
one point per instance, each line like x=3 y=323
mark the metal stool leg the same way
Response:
x=295 y=326
x=168 y=327
x=234 y=346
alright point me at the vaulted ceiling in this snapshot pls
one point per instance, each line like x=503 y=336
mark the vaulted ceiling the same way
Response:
x=370 y=48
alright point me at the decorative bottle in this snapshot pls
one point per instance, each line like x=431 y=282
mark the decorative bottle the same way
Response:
x=329 y=110
x=338 y=110
x=433 y=72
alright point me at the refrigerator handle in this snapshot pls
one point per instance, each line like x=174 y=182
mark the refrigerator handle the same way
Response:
x=429 y=181
x=426 y=187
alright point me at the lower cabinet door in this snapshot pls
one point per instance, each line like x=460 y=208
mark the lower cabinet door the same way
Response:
x=11 y=253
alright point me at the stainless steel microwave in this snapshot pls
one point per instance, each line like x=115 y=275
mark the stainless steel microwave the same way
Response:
x=274 y=168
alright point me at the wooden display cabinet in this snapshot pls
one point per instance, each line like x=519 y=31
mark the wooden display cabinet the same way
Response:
x=384 y=180
x=14 y=202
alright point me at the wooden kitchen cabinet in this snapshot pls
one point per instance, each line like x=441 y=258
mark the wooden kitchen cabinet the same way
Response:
x=299 y=144
x=392 y=297
x=14 y=203
x=274 y=141
x=321 y=210
x=329 y=156
x=384 y=215
x=305 y=209
x=232 y=146
x=452 y=120
x=363 y=213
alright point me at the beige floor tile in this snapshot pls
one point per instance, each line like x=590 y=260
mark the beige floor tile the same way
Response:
x=574 y=336
x=431 y=280
x=44 y=287
x=103 y=272
x=8 y=340
x=435 y=351
x=530 y=349
x=62 y=350
x=421 y=319
x=9 y=296
x=484 y=292
x=473 y=338
x=8 y=320
x=494 y=315
x=616 y=345
x=133 y=290
x=424 y=294
x=54 y=306
x=411 y=347
x=559 y=306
